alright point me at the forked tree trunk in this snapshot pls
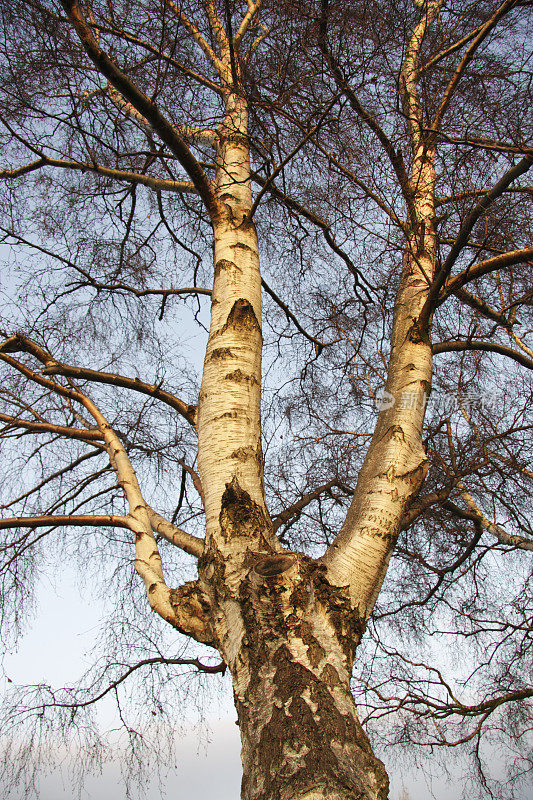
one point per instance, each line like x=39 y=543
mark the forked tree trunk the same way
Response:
x=287 y=635
x=286 y=625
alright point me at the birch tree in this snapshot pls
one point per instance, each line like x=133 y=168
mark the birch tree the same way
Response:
x=375 y=161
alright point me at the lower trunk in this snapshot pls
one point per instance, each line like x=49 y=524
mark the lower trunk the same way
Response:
x=301 y=737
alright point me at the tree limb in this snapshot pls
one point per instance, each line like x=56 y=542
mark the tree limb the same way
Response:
x=152 y=390
x=525 y=254
x=185 y=541
x=484 y=31
x=462 y=237
x=296 y=508
x=521 y=542
x=164 y=129
x=137 y=178
x=48 y=427
x=21 y=343
x=76 y=520
x=193 y=662
x=490 y=347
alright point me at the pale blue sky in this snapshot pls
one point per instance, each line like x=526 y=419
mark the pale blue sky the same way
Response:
x=53 y=651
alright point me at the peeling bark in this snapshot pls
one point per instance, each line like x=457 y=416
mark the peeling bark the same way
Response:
x=192 y=609
x=301 y=734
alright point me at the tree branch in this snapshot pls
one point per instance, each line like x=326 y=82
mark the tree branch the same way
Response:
x=253 y=9
x=525 y=254
x=482 y=307
x=185 y=541
x=521 y=542
x=48 y=427
x=484 y=31
x=290 y=316
x=164 y=129
x=21 y=343
x=56 y=520
x=198 y=38
x=395 y=156
x=491 y=347
x=296 y=508
x=193 y=662
x=136 y=178
x=462 y=237
x=152 y=390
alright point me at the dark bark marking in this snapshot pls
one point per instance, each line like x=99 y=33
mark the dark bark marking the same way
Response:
x=242 y=516
x=247 y=222
x=378 y=533
x=227 y=415
x=242 y=317
x=396 y=432
x=418 y=334
x=223 y=263
x=240 y=377
x=244 y=453
x=315 y=651
x=295 y=724
x=221 y=352
x=242 y=246
x=233 y=137
x=330 y=676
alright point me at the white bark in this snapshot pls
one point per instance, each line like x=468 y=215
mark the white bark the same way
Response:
x=396 y=463
x=229 y=422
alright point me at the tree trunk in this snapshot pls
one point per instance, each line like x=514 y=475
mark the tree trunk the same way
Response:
x=301 y=737
x=287 y=635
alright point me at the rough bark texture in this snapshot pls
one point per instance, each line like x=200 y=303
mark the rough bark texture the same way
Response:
x=299 y=726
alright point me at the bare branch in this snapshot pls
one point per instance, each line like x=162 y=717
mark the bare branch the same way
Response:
x=198 y=38
x=152 y=390
x=490 y=347
x=185 y=662
x=48 y=427
x=21 y=343
x=441 y=201
x=295 y=509
x=467 y=57
x=290 y=316
x=164 y=129
x=498 y=531
x=253 y=9
x=74 y=520
x=464 y=233
x=484 y=267
x=136 y=178
x=395 y=156
x=185 y=541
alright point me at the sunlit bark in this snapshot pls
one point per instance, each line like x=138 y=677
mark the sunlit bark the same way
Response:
x=287 y=625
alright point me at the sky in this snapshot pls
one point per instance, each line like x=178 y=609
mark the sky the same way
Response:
x=54 y=650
